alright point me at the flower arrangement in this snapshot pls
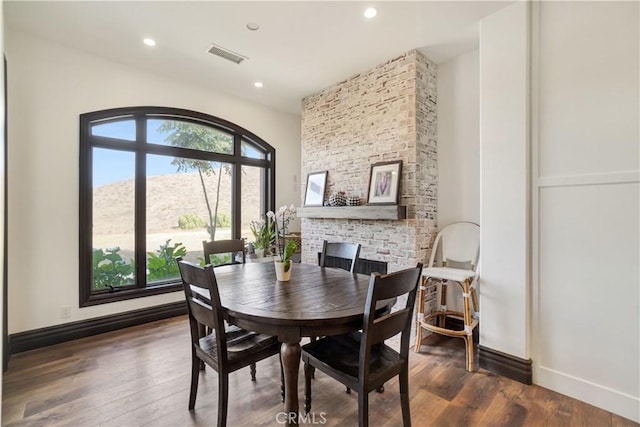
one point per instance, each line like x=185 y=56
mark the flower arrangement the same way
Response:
x=263 y=233
x=281 y=219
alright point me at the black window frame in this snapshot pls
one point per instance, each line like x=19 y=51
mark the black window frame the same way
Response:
x=141 y=148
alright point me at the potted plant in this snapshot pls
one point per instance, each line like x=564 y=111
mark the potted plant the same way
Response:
x=263 y=233
x=281 y=219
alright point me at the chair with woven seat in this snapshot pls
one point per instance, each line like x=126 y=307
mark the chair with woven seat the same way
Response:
x=225 y=349
x=454 y=258
x=348 y=252
x=361 y=360
x=234 y=247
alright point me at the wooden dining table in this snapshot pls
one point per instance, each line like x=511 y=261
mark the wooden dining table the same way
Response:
x=315 y=302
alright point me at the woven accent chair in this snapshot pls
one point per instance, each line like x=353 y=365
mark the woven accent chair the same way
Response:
x=454 y=259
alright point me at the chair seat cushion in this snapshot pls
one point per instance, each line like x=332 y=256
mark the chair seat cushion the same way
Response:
x=447 y=273
x=342 y=353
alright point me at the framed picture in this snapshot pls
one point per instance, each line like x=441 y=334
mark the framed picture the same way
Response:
x=384 y=183
x=314 y=194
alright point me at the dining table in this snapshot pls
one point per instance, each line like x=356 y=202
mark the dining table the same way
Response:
x=315 y=302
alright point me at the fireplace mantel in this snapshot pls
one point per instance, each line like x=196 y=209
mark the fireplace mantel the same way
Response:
x=381 y=212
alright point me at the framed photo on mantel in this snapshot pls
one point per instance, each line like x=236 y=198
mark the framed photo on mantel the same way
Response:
x=384 y=183
x=314 y=193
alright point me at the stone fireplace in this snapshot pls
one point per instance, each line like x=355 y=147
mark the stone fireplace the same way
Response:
x=385 y=114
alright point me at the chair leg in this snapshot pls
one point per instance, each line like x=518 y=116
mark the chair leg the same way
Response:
x=442 y=318
x=195 y=375
x=419 y=315
x=223 y=398
x=418 y=337
x=363 y=409
x=313 y=370
x=404 y=396
x=468 y=341
x=253 y=371
x=307 y=387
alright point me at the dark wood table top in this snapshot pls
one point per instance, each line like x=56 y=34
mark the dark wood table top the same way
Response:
x=316 y=301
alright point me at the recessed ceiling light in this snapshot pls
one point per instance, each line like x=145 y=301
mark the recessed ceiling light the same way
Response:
x=258 y=84
x=253 y=26
x=370 y=12
x=149 y=42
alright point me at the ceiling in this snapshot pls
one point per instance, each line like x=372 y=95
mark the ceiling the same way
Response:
x=300 y=48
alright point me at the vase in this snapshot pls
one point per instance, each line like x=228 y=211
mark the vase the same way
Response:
x=283 y=270
x=259 y=252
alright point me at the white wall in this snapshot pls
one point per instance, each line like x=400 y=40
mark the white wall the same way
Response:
x=2 y=194
x=586 y=133
x=504 y=181
x=459 y=140
x=49 y=86
x=458 y=147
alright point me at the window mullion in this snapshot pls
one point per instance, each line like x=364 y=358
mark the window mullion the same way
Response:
x=236 y=185
x=141 y=202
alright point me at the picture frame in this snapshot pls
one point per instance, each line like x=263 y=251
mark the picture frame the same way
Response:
x=315 y=189
x=384 y=183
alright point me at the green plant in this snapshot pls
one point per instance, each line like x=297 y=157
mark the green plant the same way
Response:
x=282 y=218
x=289 y=249
x=216 y=260
x=110 y=269
x=190 y=221
x=263 y=233
x=162 y=264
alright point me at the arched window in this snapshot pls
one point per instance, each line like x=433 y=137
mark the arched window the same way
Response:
x=154 y=183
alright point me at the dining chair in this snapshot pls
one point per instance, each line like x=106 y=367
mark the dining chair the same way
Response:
x=224 y=349
x=348 y=252
x=454 y=258
x=234 y=247
x=361 y=360
x=347 y=255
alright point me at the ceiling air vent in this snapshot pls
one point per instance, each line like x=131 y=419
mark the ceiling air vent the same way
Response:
x=225 y=53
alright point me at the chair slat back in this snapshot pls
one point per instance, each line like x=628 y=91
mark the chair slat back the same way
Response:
x=203 y=301
x=389 y=325
x=459 y=242
x=232 y=246
x=349 y=251
x=376 y=330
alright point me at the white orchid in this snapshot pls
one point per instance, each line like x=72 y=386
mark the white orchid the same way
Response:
x=282 y=217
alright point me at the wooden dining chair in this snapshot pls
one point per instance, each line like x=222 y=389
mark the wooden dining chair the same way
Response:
x=348 y=252
x=361 y=360
x=234 y=247
x=225 y=349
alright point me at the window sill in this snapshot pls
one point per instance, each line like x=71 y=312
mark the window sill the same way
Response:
x=123 y=295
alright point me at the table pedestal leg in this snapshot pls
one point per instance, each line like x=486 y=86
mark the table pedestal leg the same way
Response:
x=290 y=354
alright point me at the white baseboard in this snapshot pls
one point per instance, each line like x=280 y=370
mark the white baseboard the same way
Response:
x=619 y=403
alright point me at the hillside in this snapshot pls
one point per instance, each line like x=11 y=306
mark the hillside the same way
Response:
x=168 y=197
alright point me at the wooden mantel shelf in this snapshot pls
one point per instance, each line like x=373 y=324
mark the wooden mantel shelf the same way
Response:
x=389 y=212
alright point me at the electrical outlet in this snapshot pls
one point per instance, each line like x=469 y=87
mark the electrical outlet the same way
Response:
x=65 y=312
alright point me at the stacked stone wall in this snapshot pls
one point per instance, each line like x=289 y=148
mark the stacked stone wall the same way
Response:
x=387 y=113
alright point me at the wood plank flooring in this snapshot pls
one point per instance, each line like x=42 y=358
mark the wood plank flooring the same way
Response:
x=140 y=377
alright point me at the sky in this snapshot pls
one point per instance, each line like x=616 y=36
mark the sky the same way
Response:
x=112 y=166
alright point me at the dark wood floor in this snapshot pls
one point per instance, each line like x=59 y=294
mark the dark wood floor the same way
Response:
x=140 y=377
